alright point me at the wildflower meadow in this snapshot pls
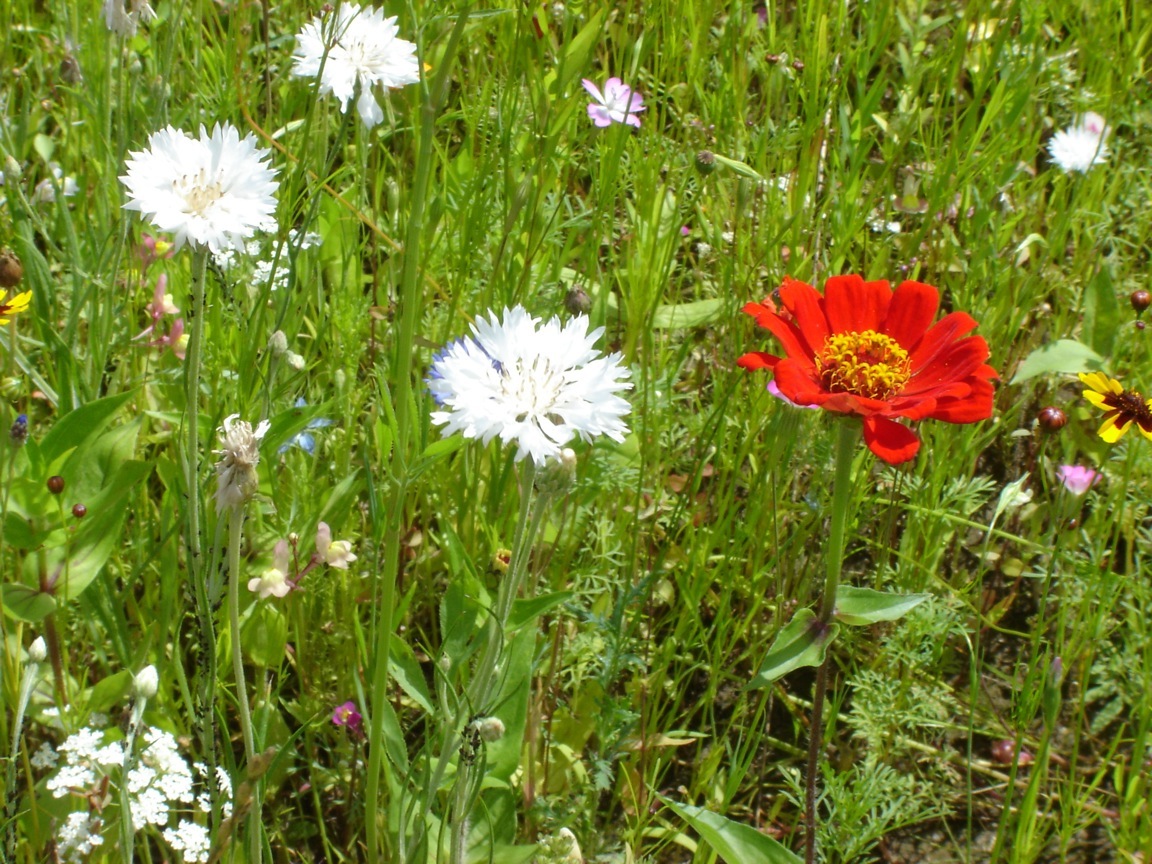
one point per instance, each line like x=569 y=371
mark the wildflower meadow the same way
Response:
x=561 y=432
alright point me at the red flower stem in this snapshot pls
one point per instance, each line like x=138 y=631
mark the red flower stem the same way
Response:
x=841 y=499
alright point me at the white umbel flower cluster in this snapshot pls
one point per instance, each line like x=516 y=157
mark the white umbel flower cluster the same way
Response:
x=1080 y=146
x=160 y=784
x=355 y=48
x=212 y=191
x=537 y=386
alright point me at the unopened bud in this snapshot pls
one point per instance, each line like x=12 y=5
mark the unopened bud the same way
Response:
x=55 y=484
x=1052 y=419
x=12 y=170
x=79 y=511
x=18 y=434
x=1140 y=300
x=294 y=360
x=577 y=301
x=705 y=162
x=490 y=728
x=278 y=344
x=147 y=682
x=11 y=270
x=556 y=477
x=38 y=651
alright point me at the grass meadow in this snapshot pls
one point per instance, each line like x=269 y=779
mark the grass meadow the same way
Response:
x=578 y=668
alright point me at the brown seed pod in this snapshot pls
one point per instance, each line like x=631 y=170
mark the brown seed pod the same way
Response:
x=1052 y=419
x=11 y=270
x=1140 y=300
x=55 y=484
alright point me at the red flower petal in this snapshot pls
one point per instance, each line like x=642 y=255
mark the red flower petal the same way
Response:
x=889 y=440
x=806 y=304
x=852 y=304
x=757 y=360
x=977 y=405
x=948 y=329
x=955 y=362
x=911 y=311
x=796 y=380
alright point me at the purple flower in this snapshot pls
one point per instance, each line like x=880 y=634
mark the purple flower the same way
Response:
x=617 y=104
x=1077 y=479
x=346 y=715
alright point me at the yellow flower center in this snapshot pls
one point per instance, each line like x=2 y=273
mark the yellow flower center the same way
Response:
x=866 y=363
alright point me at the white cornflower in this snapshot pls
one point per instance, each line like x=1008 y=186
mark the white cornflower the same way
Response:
x=274 y=581
x=336 y=553
x=212 y=191
x=121 y=19
x=1079 y=147
x=352 y=52
x=539 y=387
x=239 y=454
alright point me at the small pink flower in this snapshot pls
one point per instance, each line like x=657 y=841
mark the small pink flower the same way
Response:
x=1077 y=479
x=346 y=715
x=617 y=104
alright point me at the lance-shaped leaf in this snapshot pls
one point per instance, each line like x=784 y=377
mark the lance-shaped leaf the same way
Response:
x=735 y=842
x=802 y=642
x=863 y=606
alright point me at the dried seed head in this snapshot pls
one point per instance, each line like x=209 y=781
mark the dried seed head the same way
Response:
x=705 y=162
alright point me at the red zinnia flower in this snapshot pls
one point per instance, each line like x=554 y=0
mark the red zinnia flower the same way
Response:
x=862 y=348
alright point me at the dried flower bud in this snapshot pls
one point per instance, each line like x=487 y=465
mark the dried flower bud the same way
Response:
x=772 y=58
x=1140 y=300
x=1140 y=325
x=798 y=65
x=12 y=170
x=577 y=301
x=18 y=434
x=55 y=484
x=146 y=683
x=70 y=70
x=490 y=728
x=1004 y=750
x=705 y=162
x=1052 y=419
x=38 y=650
x=11 y=270
x=79 y=511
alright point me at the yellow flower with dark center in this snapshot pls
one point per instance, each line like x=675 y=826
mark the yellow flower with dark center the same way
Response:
x=1122 y=407
x=15 y=306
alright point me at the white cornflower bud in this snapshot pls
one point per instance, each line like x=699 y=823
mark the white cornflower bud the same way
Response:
x=490 y=728
x=147 y=682
x=38 y=651
x=278 y=344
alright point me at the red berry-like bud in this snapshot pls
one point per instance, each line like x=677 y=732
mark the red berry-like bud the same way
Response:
x=79 y=511
x=1052 y=419
x=55 y=484
x=1140 y=325
x=1140 y=300
x=772 y=58
x=798 y=65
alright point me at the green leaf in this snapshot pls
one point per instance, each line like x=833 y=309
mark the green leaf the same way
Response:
x=107 y=692
x=1063 y=357
x=735 y=842
x=863 y=606
x=408 y=674
x=264 y=635
x=1102 y=313
x=26 y=604
x=526 y=610
x=81 y=425
x=741 y=168
x=684 y=316
x=801 y=642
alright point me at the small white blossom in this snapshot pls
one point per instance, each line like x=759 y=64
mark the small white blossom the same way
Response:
x=336 y=553
x=78 y=836
x=46 y=757
x=274 y=581
x=1081 y=146
x=190 y=840
x=70 y=777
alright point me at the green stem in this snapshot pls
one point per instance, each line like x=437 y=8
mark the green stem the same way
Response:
x=841 y=500
x=235 y=524
x=411 y=309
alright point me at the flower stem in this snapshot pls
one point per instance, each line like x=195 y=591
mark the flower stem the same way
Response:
x=235 y=524
x=834 y=561
x=411 y=308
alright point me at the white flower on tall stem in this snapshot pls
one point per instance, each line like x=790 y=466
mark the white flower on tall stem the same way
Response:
x=356 y=48
x=121 y=17
x=538 y=386
x=212 y=191
x=239 y=453
x=1081 y=146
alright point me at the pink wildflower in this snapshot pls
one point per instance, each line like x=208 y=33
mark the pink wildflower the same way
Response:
x=1077 y=479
